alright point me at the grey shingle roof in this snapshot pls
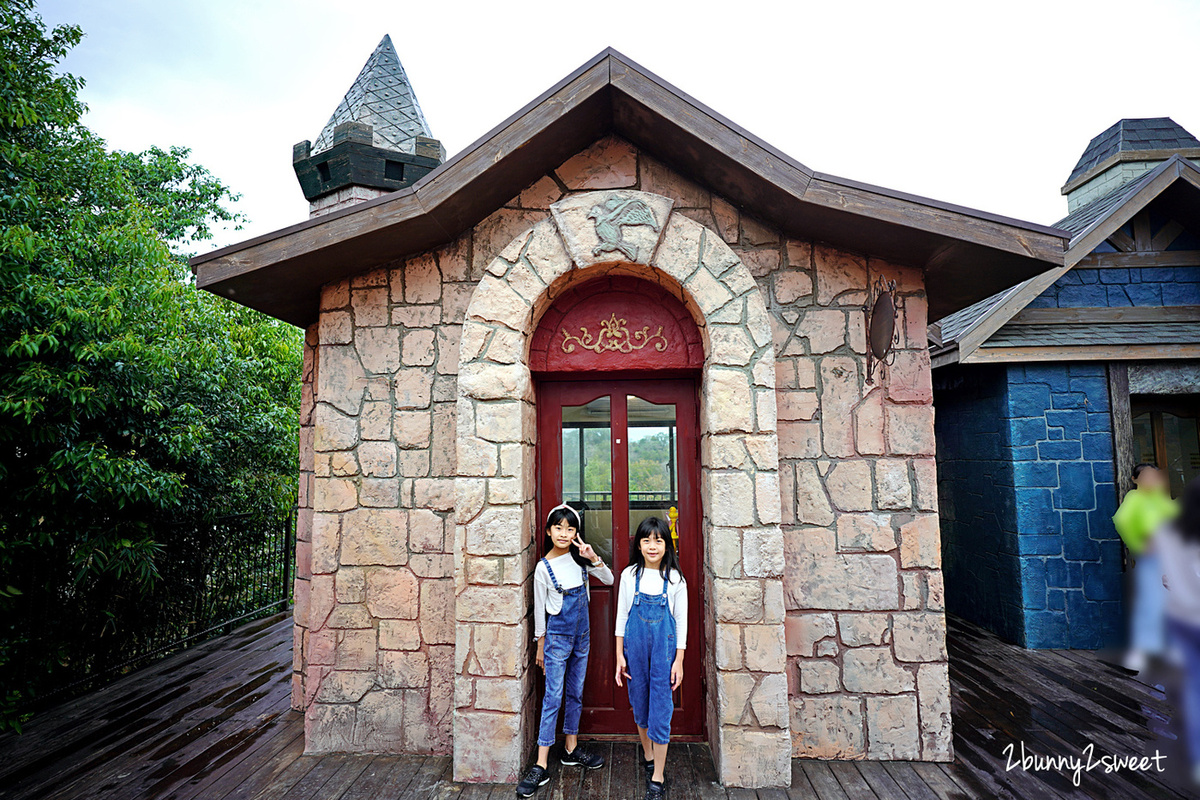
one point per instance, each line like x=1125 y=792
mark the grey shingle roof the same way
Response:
x=955 y=325
x=1161 y=333
x=1158 y=133
x=1085 y=216
x=381 y=97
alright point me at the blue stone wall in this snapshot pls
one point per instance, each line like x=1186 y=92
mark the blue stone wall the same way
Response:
x=1069 y=555
x=975 y=493
x=1112 y=288
x=1025 y=477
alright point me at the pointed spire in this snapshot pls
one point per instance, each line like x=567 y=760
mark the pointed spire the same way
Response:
x=381 y=97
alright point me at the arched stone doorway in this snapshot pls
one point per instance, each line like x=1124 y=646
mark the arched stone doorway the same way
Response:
x=747 y=710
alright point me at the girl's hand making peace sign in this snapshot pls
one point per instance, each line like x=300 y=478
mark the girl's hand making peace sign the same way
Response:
x=586 y=549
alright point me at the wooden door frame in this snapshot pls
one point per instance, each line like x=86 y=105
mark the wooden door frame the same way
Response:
x=678 y=386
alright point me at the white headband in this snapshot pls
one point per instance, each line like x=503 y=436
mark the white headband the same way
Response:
x=568 y=508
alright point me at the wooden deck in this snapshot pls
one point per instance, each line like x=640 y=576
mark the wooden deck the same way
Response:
x=213 y=723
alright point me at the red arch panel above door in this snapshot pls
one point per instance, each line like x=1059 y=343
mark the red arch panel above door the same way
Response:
x=616 y=323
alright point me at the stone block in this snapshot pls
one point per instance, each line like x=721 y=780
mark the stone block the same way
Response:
x=868 y=424
x=909 y=430
x=335 y=327
x=422 y=280
x=499 y=694
x=608 y=164
x=426 y=531
x=350 y=585
x=392 y=593
x=858 y=630
x=333 y=430
x=496 y=649
x=893 y=488
x=498 y=604
x=764 y=648
x=377 y=459
x=419 y=350
x=872 y=670
x=378 y=349
x=933 y=699
x=893 y=728
x=839 y=394
x=497 y=531
x=909 y=378
x=335 y=295
x=851 y=582
x=791 y=285
x=849 y=485
x=754 y=758
x=341 y=380
x=728 y=403
x=919 y=636
x=738 y=600
x=827 y=727
x=488 y=747
x=345 y=616
x=803 y=631
x=728 y=646
x=824 y=329
x=344 y=687
x=733 y=693
x=413 y=387
x=819 y=676
x=403 y=669
x=762 y=552
x=374 y=536
x=731 y=498
x=920 y=542
x=399 y=634
x=812 y=506
x=840 y=275
x=437 y=611
x=334 y=494
x=865 y=532
x=770 y=701
x=379 y=722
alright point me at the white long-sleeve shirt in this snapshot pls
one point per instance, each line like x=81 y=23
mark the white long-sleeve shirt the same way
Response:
x=1180 y=562
x=547 y=600
x=652 y=583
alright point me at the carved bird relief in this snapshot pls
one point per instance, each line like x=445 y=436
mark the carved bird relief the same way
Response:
x=613 y=217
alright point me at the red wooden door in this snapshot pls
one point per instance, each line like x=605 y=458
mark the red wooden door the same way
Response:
x=618 y=452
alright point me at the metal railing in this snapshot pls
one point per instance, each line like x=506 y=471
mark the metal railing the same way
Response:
x=212 y=577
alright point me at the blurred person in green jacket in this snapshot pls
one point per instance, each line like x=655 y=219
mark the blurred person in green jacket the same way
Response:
x=1143 y=511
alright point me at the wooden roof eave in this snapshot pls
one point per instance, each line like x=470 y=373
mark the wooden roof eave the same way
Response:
x=281 y=273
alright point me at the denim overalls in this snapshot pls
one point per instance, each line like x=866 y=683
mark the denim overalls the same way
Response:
x=565 y=653
x=649 y=654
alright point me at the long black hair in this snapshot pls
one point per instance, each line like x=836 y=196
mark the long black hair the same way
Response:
x=653 y=526
x=1189 y=514
x=561 y=514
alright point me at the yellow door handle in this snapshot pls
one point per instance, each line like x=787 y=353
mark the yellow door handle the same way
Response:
x=672 y=516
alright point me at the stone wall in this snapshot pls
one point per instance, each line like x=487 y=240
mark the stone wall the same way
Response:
x=1118 y=288
x=863 y=582
x=1048 y=451
x=302 y=582
x=402 y=600
x=975 y=492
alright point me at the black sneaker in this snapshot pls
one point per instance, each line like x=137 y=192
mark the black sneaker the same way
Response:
x=583 y=758
x=656 y=790
x=648 y=765
x=537 y=776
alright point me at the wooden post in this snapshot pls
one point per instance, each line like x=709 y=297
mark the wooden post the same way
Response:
x=1122 y=425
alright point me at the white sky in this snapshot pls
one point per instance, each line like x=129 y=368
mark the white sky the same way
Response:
x=987 y=105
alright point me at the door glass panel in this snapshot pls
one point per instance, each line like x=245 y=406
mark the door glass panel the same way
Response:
x=653 y=462
x=1143 y=439
x=587 y=470
x=1183 y=450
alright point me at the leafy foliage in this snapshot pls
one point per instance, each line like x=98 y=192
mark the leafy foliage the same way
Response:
x=135 y=411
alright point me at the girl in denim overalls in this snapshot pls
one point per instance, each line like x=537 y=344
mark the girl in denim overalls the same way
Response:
x=560 y=614
x=651 y=638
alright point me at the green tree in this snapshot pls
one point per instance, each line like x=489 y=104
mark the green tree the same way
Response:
x=135 y=411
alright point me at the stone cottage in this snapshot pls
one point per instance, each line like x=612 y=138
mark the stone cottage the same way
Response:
x=620 y=298
x=1048 y=393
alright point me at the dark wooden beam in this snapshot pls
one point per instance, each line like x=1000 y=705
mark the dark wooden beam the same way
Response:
x=1141 y=231
x=1091 y=352
x=1087 y=316
x=1137 y=260
x=1122 y=425
x=1166 y=235
x=1122 y=241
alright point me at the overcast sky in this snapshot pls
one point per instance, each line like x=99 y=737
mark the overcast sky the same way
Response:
x=987 y=105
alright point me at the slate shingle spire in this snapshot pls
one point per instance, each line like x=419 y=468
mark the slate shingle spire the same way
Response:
x=1126 y=150
x=377 y=140
x=381 y=97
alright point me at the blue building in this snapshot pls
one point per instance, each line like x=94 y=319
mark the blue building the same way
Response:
x=1048 y=393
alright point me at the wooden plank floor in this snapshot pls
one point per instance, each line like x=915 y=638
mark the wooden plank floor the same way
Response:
x=213 y=723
